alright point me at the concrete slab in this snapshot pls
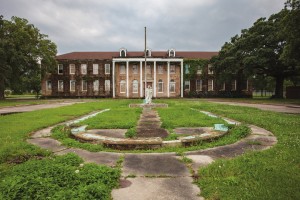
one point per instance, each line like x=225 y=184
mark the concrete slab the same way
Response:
x=262 y=140
x=104 y=158
x=47 y=143
x=153 y=165
x=260 y=131
x=200 y=161
x=116 y=133
x=46 y=132
x=180 y=188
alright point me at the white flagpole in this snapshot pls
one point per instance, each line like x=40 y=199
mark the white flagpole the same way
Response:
x=145 y=61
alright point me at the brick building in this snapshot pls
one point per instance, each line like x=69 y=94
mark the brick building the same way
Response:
x=123 y=74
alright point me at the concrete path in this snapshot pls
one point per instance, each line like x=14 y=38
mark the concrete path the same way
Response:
x=28 y=108
x=284 y=108
x=159 y=176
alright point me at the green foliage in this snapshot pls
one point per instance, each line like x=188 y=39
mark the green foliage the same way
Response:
x=194 y=65
x=131 y=133
x=171 y=136
x=186 y=160
x=60 y=177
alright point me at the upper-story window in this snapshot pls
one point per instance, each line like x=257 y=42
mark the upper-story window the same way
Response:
x=107 y=68
x=148 y=52
x=209 y=69
x=60 y=69
x=95 y=69
x=122 y=69
x=187 y=69
x=123 y=52
x=172 y=69
x=72 y=68
x=83 y=69
x=160 y=69
x=171 y=53
x=199 y=69
x=134 y=69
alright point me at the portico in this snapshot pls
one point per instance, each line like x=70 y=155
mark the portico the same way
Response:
x=130 y=76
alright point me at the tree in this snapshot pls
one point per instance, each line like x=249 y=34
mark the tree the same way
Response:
x=21 y=46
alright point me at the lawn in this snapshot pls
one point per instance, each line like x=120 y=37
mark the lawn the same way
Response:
x=270 y=174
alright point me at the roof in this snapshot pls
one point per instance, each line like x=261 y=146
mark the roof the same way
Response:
x=133 y=54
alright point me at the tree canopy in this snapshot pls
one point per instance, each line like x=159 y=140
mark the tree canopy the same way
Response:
x=24 y=52
x=267 y=49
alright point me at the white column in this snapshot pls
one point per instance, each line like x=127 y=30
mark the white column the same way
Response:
x=181 y=79
x=141 y=79
x=168 y=79
x=113 y=80
x=154 y=84
x=127 y=79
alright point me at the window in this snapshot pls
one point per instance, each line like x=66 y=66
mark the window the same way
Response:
x=95 y=69
x=72 y=68
x=60 y=86
x=72 y=85
x=198 y=85
x=160 y=86
x=96 y=85
x=48 y=85
x=171 y=53
x=148 y=69
x=122 y=69
x=172 y=85
x=122 y=86
x=122 y=52
x=187 y=85
x=233 y=85
x=210 y=71
x=134 y=69
x=107 y=68
x=160 y=69
x=107 y=85
x=223 y=87
x=135 y=86
x=199 y=70
x=60 y=69
x=84 y=85
x=187 y=69
x=148 y=53
x=172 y=69
x=210 y=86
x=83 y=68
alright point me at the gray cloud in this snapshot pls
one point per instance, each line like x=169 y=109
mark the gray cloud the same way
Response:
x=107 y=25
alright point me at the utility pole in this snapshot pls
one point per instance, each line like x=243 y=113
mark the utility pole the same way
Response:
x=145 y=60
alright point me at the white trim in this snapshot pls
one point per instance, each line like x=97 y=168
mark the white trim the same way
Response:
x=173 y=83
x=127 y=79
x=82 y=81
x=162 y=87
x=113 y=79
x=107 y=65
x=96 y=89
x=133 y=83
x=96 y=68
x=70 y=66
x=107 y=88
x=168 y=80
x=200 y=87
x=148 y=59
x=71 y=85
x=212 y=85
x=125 y=51
x=181 y=79
x=47 y=82
x=60 y=65
x=82 y=67
x=58 y=85
x=189 y=84
x=141 y=79
x=171 y=50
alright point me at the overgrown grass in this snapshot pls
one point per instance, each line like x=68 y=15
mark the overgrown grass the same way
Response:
x=270 y=174
x=63 y=177
x=13 y=102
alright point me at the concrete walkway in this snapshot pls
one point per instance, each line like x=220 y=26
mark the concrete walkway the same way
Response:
x=28 y=108
x=284 y=108
x=159 y=176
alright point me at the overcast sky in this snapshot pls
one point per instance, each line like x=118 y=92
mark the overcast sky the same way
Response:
x=108 y=25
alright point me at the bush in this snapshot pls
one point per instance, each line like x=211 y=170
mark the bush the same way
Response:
x=131 y=133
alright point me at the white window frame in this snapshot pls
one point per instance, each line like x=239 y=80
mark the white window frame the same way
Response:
x=82 y=85
x=187 y=83
x=122 y=69
x=160 y=69
x=160 y=82
x=107 y=85
x=135 y=86
x=172 y=53
x=199 y=86
x=83 y=68
x=148 y=52
x=96 y=85
x=71 y=83
x=122 y=85
x=107 y=68
x=172 y=69
x=212 y=85
x=72 y=68
x=95 y=68
x=209 y=69
x=58 y=85
x=187 y=69
x=135 y=69
x=125 y=52
x=233 y=85
x=47 y=85
x=199 y=70
x=172 y=83
x=58 y=69
x=223 y=87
